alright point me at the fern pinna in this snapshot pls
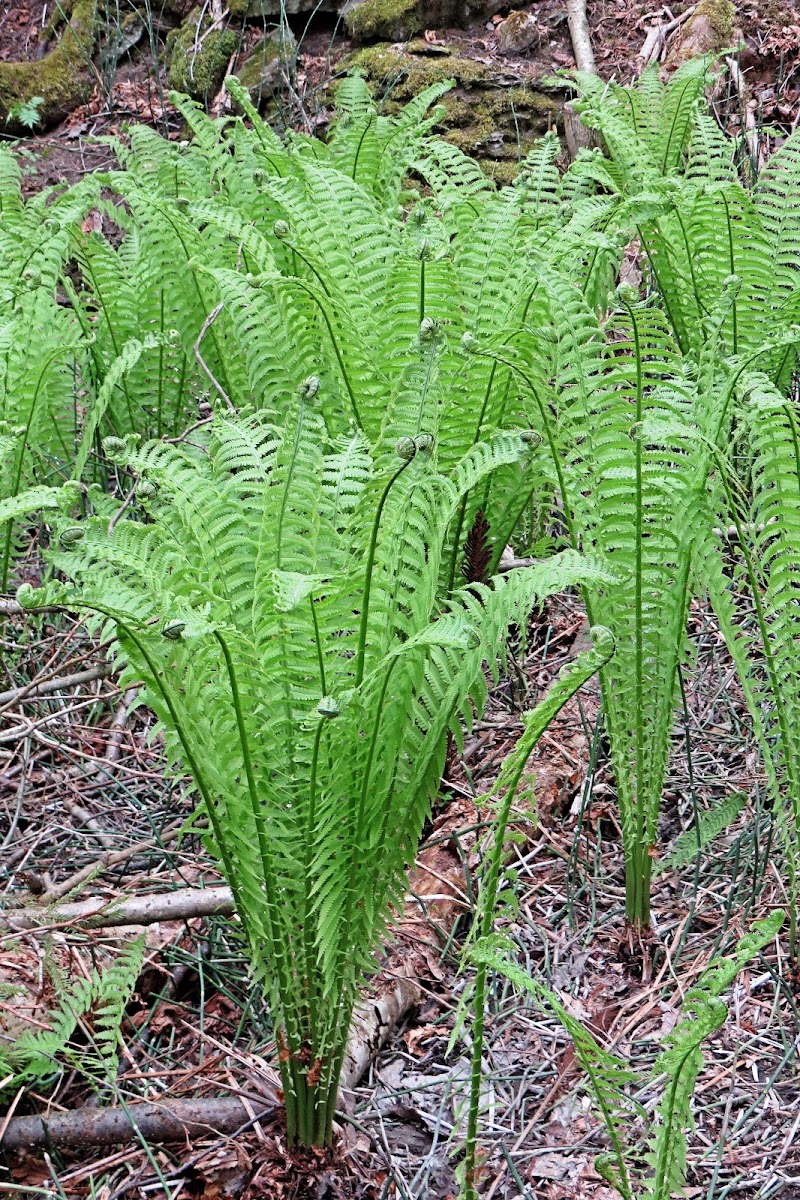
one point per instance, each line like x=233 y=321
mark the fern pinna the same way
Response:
x=697 y=219
x=593 y=390
x=280 y=600
x=42 y=351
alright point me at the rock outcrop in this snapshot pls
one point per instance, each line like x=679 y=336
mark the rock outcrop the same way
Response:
x=495 y=115
x=60 y=79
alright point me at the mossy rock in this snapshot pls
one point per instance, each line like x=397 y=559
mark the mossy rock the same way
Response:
x=262 y=71
x=62 y=78
x=366 y=20
x=198 y=56
x=494 y=116
x=708 y=31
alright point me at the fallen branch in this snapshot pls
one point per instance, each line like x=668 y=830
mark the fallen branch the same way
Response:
x=581 y=37
x=174 y=1121
x=181 y=1120
x=31 y=691
x=111 y=858
x=656 y=40
x=373 y=1021
x=100 y=912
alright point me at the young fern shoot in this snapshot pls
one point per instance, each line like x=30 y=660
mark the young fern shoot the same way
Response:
x=563 y=689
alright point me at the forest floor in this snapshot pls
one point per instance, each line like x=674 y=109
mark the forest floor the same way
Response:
x=127 y=87
x=80 y=773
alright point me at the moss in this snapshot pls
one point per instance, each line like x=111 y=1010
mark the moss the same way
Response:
x=708 y=31
x=61 y=78
x=720 y=15
x=401 y=19
x=497 y=125
x=199 y=72
x=396 y=19
x=403 y=75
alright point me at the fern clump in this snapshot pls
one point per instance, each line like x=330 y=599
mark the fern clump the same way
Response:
x=280 y=599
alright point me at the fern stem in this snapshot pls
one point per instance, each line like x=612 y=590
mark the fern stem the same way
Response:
x=299 y=254
x=211 y=331
x=298 y=434
x=541 y=717
x=160 y=402
x=790 y=757
x=488 y=904
x=15 y=486
x=342 y=1015
x=661 y=291
x=690 y=259
x=732 y=266
x=318 y=643
x=664 y=1168
x=373 y=542
x=638 y=903
x=551 y=442
x=283 y=969
x=310 y=292
x=101 y=300
x=367 y=128
x=462 y=508
x=194 y=766
x=308 y=856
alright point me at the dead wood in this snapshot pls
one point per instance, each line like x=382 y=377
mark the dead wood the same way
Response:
x=581 y=37
x=102 y=912
x=31 y=691
x=373 y=1022
x=173 y=1121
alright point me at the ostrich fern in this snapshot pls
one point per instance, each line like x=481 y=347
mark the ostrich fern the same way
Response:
x=675 y=1070
x=41 y=348
x=282 y=605
x=264 y=255
x=592 y=392
x=697 y=221
x=756 y=598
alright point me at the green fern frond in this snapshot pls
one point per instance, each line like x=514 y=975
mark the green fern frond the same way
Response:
x=711 y=823
x=96 y=1006
x=703 y=1012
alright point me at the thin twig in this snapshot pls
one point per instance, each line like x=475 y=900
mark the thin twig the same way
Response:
x=32 y=690
x=209 y=321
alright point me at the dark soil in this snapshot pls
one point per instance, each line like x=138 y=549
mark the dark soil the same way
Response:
x=21 y=26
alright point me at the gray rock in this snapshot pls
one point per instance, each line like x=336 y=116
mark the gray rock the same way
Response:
x=518 y=33
x=262 y=72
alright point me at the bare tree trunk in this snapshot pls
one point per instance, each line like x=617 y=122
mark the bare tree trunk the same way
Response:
x=581 y=38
